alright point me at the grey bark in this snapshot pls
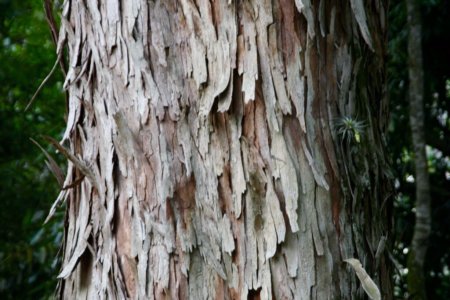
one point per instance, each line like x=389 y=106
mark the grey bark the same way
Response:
x=422 y=227
x=210 y=134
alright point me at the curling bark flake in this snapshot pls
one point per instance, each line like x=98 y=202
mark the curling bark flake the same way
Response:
x=210 y=129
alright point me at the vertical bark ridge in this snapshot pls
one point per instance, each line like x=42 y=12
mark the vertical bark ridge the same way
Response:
x=211 y=130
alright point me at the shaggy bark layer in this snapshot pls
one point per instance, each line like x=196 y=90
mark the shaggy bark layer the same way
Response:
x=231 y=149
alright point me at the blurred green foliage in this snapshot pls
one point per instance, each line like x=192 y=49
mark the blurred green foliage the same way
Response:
x=28 y=250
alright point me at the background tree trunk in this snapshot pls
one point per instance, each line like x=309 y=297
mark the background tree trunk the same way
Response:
x=226 y=149
x=422 y=228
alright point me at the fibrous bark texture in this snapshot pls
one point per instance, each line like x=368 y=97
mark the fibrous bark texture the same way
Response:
x=227 y=149
x=422 y=228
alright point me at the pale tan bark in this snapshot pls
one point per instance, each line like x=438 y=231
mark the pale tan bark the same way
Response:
x=214 y=166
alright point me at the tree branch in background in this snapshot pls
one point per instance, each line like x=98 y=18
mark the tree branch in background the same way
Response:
x=419 y=244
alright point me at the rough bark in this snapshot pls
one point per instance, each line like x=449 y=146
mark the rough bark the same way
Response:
x=422 y=227
x=228 y=149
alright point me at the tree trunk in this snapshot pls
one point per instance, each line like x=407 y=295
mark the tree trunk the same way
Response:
x=225 y=149
x=422 y=228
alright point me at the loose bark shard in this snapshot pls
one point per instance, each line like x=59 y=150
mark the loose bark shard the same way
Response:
x=369 y=286
x=360 y=15
x=51 y=164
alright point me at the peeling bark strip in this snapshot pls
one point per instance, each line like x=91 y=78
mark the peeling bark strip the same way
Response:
x=210 y=130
